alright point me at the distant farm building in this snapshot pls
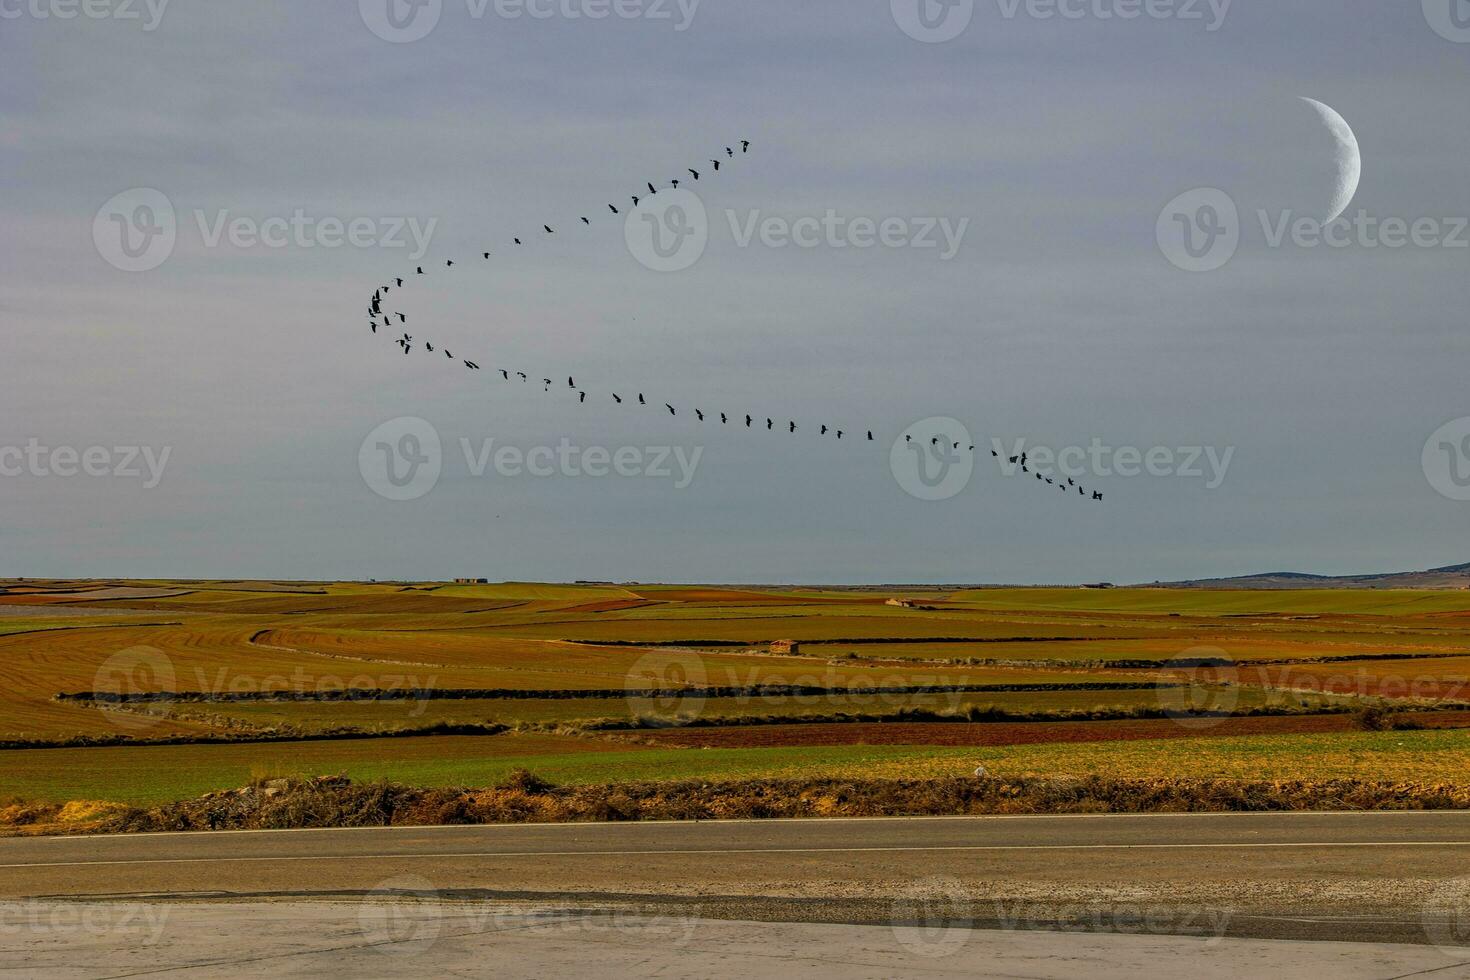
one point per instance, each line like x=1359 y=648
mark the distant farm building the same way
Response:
x=905 y=603
x=788 y=647
x=472 y=581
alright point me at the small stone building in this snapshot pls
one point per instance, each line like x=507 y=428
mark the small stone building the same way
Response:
x=787 y=647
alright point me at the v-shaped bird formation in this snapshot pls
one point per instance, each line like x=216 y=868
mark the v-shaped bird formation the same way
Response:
x=718 y=165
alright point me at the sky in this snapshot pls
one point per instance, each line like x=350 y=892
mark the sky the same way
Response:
x=1265 y=401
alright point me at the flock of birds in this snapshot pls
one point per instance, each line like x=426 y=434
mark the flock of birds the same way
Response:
x=407 y=342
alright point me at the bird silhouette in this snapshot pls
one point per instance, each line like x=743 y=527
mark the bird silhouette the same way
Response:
x=505 y=374
x=652 y=189
x=486 y=254
x=581 y=397
x=729 y=152
x=400 y=282
x=374 y=324
x=676 y=184
x=748 y=420
x=421 y=270
x=586 y=222
x=1096 y=495
x=839 y=433
x=472 y=365
x=518 y=241
x=793 y=426
x=745 y=146
x=640 y=399
x=716 y=163
x=769 y=425
x=699 y=415
x=447 y=354
x=870 y=435
x=548 y=230
x=571 y=383
x=613 y=209
x=694 y=172
x=522 y=375
x=824 y=430
x=635 y=200
x=616 y=398
x=723 y=420
x=449 y=264
x=670 y=408
x=428 y=347
x=402 y=318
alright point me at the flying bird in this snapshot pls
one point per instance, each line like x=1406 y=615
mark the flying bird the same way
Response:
x=548 y=230
x=616 y=398
x=694 y=172
x=793 y=427
x=745 y=146
x=748 y=420
x=640 y=399
x=581 y=397
x=870 y=435
x=729 y=152
x=635 y=200
x=723 y=420
x=699 y=415
x=652 y=189
x=518 y=241
x=505 y=374
x=472 y=365
x=769 y=425
x=571 y=383
x=486 y=254
x=676 y=184
x=670 y=408
x=449 y=264
x=613 y=209
x=716 y=163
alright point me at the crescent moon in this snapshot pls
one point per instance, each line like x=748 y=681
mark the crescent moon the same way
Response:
x=1349 y=158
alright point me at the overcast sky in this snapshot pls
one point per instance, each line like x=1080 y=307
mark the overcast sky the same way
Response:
x=1047 y=146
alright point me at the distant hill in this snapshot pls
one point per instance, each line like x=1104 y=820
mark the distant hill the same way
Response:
x=1448 y=577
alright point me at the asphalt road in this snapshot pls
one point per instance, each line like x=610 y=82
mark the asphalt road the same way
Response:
x=1375 y=877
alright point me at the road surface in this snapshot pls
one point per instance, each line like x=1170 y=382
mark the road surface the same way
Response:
x=1111 y=887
